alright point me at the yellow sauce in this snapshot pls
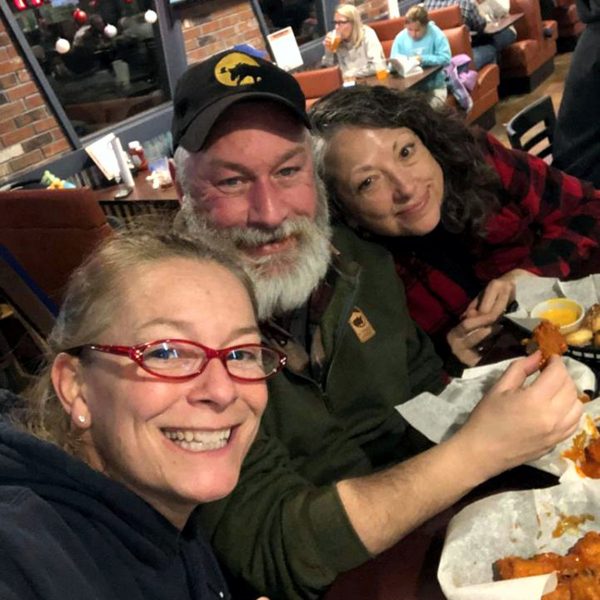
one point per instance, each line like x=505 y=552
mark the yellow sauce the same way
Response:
x=560 y=316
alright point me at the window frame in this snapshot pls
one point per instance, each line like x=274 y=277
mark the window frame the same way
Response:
x=142 y=126
x=312 y=51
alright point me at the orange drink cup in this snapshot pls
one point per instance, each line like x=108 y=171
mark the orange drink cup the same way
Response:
x=381 y=73
x=333 y=41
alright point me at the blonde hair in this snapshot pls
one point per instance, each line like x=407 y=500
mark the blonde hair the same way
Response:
x=93 y=297
x=351 y=13
x=417 y=14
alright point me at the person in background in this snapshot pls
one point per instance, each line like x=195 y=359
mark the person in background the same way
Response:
x=486 y=48
x=321 y=488
x=359 y=53
x=153 y=393
x=576 y=144
x=463 y=215
x=424 y=39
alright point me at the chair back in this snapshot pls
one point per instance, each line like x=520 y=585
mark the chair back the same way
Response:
x=532 y=129
x=446 y=17
x=388 y=29
x=50 y=232
x=459 y=40
x=319 y=82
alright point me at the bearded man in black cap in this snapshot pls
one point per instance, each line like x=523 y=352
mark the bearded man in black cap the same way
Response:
x=327 y=485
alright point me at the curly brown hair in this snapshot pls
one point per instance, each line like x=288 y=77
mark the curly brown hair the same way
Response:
x=471 y=186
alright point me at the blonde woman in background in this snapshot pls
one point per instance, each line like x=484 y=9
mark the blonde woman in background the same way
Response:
x=357 y=48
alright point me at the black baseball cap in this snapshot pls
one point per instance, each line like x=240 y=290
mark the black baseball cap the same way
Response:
x=207 y=89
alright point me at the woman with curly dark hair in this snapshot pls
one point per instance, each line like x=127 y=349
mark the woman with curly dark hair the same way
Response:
x=463 y=216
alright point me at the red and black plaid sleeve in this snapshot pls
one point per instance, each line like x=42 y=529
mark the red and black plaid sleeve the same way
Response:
x=549 y=222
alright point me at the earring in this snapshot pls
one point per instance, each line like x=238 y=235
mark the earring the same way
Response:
x=81 y=419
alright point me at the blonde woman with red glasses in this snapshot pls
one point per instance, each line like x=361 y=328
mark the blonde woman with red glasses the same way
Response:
x=153 y=394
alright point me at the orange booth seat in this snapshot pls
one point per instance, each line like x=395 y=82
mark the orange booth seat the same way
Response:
x=447 y=17
x=387 y=30
x=50 y=232
x=485 y=94
x=529 y=60
x=319 y=82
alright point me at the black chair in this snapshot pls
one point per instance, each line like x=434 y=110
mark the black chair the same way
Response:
x=125 y=213
x=532 y=129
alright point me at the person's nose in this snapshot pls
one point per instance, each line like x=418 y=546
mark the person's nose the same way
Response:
x=213 y=385
x=268 y=207
x=403 y=187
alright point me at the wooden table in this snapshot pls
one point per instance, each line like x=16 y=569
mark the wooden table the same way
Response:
x=500 y=24
x=400 y=83
x=142 y=190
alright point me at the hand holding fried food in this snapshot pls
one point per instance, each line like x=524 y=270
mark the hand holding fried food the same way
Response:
x=578 y=571
x=515 y=423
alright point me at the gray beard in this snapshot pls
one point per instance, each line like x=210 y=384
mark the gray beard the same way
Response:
x=282 y=281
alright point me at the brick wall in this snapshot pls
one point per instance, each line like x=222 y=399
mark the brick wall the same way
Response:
x=215 y=25
x=29 y=134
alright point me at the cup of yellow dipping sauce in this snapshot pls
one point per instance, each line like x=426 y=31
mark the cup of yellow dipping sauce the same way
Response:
x=565 y=313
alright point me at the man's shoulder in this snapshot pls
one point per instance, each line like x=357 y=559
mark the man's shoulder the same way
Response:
x=351 y=247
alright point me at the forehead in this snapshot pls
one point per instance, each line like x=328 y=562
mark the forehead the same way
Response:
x=181 y=288
x=267 y=117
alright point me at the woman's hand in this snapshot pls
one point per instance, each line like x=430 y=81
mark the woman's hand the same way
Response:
x=515 y=423
x=481 y=314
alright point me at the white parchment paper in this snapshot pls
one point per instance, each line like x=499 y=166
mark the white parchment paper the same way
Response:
x=439 y=417
x=513 y=523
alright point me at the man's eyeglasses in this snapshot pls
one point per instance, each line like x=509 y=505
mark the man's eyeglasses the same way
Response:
x=340 y=22
x=179 y=360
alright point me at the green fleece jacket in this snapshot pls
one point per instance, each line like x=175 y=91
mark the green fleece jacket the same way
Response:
x=284 y=530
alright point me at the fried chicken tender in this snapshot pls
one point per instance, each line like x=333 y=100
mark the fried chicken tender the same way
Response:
x=512 y=567
x=591 y=320
x=549 y=340
x=578 y=571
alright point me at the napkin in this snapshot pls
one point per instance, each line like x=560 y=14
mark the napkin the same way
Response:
x=439 y=417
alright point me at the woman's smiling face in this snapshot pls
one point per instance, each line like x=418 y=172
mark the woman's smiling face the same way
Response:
x=386 y=180
x=136 y=423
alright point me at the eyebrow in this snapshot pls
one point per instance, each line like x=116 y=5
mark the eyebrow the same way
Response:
x=181 y=325
x=234 y=166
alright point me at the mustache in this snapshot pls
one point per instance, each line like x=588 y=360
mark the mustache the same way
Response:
x=248 y=237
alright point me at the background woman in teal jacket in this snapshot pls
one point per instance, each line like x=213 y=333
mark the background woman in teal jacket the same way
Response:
x=424 y=39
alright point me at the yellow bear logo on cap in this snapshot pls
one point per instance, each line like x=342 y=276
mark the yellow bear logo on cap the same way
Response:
x=237 y=69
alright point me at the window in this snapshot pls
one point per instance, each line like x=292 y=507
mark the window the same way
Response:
x=309 y=20
x=300 y=15
x=102 y=58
